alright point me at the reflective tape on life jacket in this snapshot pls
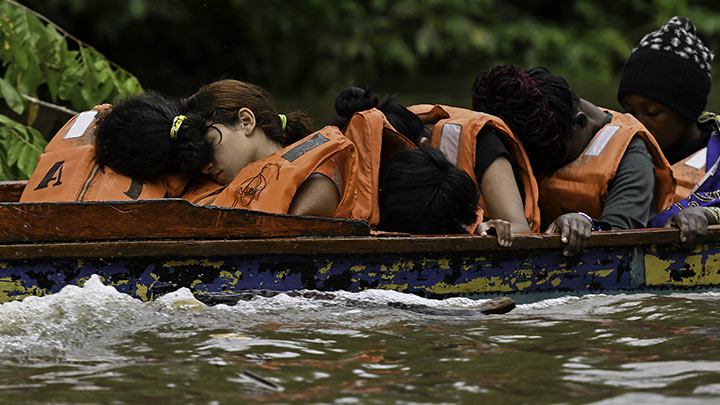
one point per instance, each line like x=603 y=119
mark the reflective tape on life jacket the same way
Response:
x=455 y=133
x=376 y=142
x=582 y=185
x=79 y=130
x=270 y=184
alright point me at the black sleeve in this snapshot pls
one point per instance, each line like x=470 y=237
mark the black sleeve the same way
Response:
x=489 y=147
x=630 y=193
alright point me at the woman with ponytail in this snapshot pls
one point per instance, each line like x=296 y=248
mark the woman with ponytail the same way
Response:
x=229 y=131
x=120 y=152
x=597 y=169
x=270 y=161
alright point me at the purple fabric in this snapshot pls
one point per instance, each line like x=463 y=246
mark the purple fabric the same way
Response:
x=707 y=195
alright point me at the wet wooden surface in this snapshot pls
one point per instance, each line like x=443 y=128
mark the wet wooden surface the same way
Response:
x=156 y=219
x=10 y=191
x=360 y=245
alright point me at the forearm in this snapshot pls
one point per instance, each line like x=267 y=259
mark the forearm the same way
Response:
x=502 y=196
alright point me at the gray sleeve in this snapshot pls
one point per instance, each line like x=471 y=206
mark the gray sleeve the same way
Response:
x=629 y=203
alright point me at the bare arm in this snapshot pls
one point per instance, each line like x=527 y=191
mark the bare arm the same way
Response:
x=317 y=196
x=502 y=196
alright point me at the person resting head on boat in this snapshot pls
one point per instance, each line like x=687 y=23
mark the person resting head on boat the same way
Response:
x=68 y=171
x=396 y=212
x=424 y=194
x=137 y=139
x=485 y=148
x=590 y=162
x=665 y=84
x=222 y=130
x=270 y=161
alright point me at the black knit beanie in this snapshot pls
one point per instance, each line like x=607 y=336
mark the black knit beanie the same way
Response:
x=672 y=67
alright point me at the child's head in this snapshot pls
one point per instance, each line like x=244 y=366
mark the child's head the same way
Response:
x=137 y=139
x=355 y=99
x=219 y=102
x=666 y=80
x=538 y=106
x=237 y=117
x=423 y=193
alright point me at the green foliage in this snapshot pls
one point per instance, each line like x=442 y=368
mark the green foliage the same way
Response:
x=21 y=146
x=308 y=50
x=39 y=59
x=296 y=48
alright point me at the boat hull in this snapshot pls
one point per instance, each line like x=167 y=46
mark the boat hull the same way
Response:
x=434 y=267
x=148 y=248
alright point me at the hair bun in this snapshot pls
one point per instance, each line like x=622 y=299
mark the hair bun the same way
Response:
x=354 y=99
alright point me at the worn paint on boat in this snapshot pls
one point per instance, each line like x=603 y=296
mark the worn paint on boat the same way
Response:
x=148 y=248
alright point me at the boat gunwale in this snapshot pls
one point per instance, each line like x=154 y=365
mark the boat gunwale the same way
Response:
x=361 y=245
x=156 y=219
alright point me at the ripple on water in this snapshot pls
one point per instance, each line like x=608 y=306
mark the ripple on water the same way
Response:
x=357 y=348
x=641 y=375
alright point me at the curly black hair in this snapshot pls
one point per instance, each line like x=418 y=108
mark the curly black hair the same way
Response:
x=538 y=106
x=134 y=139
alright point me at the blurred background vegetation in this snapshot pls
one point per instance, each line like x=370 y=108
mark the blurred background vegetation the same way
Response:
x=305 y=52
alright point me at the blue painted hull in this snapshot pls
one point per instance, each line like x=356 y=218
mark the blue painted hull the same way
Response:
x=431 y=267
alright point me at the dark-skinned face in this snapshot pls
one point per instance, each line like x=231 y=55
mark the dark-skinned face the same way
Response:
x=667 y=126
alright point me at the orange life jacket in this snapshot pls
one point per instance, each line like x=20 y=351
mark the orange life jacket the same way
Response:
x=376 y=142
x=270 y=184
x=202 y=190
x=455 y=134
x=67 y=170
x=582 y=185
x=688 y=173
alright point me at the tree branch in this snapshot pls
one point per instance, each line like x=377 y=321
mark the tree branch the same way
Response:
x=48 y=104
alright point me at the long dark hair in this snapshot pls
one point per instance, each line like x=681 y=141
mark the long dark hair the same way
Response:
x=538 y=106
x=423 y=193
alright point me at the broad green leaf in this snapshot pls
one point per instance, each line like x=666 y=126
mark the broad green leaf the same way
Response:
x=5 y=121
x=52 y=80
x=13 y=151
x=131 y=87
x=12 y=97
x=28 y=161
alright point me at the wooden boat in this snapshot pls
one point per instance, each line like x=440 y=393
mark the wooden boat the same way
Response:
x=148 y=248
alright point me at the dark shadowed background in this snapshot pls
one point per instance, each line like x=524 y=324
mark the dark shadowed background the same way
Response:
x=304 y=52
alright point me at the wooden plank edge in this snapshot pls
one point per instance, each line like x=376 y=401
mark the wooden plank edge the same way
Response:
x=363 y=245
x=10 y=191
x=117 y=220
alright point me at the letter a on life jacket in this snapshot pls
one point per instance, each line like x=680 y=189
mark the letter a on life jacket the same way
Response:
x=50 y=176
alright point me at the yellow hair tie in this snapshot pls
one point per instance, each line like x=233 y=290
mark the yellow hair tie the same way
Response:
x=283 y=121
x=177 y=122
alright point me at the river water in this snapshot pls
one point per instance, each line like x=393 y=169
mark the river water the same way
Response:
x=95 y=345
